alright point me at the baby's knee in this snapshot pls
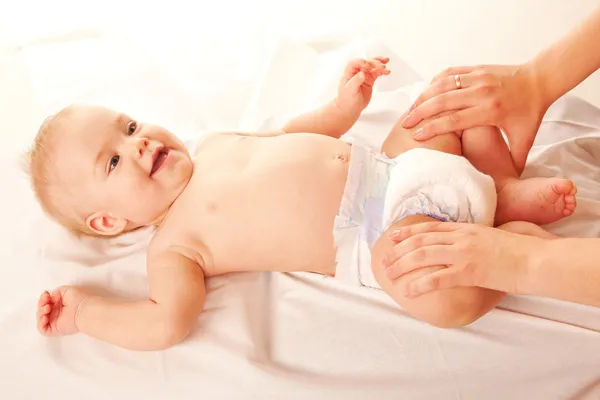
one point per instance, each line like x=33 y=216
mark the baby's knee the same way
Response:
x=401 y=140
x=454 y=308
x=447 y=308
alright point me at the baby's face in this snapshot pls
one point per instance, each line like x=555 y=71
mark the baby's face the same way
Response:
x=122 y=172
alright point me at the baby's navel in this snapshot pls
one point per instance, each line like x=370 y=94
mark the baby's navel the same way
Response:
x=211 y=207
x=342 y=157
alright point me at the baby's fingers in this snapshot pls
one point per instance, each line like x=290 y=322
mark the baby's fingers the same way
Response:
x=44 y=299
x=377 y=73
x=376 y=65
x=356 y=81
x=383 y=60
x=56 y=296
x=374 y=74
x=43 y=310
x=356 y=66
x=43 y=325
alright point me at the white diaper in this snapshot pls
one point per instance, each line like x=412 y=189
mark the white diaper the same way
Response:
x=381 y=191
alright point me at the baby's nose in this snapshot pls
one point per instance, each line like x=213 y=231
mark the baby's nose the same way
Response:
x=140 y=145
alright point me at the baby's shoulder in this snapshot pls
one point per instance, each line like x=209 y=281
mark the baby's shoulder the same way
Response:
x=162 y=252
x=193 y=146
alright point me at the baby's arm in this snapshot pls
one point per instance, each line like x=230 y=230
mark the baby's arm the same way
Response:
x=354 y=94
x=177 y=295
x=328 y=120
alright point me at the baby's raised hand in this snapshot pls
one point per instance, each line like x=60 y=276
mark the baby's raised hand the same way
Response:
x=356 y=85
x=56 y=312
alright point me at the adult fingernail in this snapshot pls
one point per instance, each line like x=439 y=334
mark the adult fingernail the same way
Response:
x=418 y=133
x=394 y=234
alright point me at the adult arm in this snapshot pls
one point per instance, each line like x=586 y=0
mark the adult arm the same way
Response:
x=511 y=97
x=519 y=258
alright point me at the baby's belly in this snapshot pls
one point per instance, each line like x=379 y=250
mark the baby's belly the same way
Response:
x=281 y=216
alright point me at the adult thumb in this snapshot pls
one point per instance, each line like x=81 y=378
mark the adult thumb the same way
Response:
x=521 y=142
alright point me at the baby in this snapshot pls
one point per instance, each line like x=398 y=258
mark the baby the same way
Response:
x=296 y=199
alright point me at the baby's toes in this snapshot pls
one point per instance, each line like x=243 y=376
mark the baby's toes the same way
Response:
x=563 y=186
x=570 y=205
x=573 y=190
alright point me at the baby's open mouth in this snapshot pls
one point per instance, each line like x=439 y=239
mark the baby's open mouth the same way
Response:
x=159 y=158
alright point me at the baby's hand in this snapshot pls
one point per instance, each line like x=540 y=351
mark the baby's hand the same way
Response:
x=56 y=313
x=356 y=86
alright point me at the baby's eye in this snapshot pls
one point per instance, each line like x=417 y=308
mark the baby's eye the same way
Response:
x=131 y=128
x=113 y=163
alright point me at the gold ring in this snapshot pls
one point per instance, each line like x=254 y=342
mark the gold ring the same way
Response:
x=457 y=81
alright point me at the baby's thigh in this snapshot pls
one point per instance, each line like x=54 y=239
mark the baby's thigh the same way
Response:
x=446 y=308
x=400 y=140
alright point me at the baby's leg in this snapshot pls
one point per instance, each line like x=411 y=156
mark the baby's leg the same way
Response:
x=447 y=308
x=537 y=200
x=444 y=308
x=400 y=140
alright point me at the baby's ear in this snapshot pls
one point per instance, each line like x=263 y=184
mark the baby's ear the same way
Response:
x=106 y=224
x=25 y=162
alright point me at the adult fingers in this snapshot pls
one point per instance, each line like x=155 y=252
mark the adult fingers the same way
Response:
x=447 y=84
x=443 y=102
x=441 y=279
x=418 y=241
x=423 y=257
x=453 y=122
x=405 y=232
x=453 y=71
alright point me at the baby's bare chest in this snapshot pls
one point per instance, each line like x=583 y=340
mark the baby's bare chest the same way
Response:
x=267 y=205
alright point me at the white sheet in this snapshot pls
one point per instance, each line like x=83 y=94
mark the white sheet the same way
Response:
x=299 y=336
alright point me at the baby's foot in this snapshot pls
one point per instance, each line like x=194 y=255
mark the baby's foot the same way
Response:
x=537 y=200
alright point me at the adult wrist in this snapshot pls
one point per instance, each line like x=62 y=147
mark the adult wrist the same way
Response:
x=537 y=257
x=544 y=91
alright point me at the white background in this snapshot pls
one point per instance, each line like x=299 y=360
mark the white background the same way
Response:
x=222 y=39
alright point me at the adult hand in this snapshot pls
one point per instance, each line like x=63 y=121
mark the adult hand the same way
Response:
x=506 y=96
x=474 y=255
